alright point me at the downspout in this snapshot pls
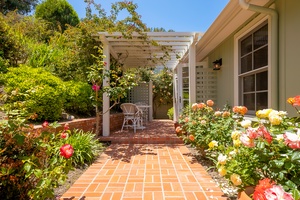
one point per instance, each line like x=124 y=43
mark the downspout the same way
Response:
x=274 y=48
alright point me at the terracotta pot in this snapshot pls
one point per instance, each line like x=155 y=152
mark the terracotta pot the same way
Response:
x=245 y=194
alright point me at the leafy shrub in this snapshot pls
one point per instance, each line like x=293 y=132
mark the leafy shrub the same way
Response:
x=86 y=146
x=78 y=99
x=35 y=90
x=171 y=113
x=30 y=163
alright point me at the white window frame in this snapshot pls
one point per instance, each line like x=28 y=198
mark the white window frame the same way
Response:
x=250 y=27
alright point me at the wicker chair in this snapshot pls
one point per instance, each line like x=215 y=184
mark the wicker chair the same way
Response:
x=132 y=116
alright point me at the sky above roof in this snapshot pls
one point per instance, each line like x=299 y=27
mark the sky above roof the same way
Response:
x=177 y=15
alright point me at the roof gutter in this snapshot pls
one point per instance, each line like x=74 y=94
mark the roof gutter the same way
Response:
x=274 y=48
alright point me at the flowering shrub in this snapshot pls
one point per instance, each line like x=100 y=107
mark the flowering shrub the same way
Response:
x=249 y=151
x=30 y=163
x=210 y=128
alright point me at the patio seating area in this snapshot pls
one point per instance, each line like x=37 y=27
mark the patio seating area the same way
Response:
x=150 y=164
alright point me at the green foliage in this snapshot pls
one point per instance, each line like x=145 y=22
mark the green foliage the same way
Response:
x=35 y=90
x=11 y=48
x=30 y=164
x=22 y=7
x=163 y=87
x=86 y=146
x=171 y=113
x=59 y=12
x=78 y=99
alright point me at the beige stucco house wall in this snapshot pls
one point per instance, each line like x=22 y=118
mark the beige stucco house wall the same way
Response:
x=221 y=41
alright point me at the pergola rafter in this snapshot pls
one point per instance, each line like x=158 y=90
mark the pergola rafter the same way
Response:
x=136 y=51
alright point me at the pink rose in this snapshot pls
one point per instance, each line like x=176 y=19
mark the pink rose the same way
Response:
x=276 y=192
x=292 y=140
x=45 y=124
x=96 y=87
x=247 y=141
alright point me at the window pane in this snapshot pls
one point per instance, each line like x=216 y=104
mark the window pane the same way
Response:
x=246 y=45
x=185 y=72
x=246 y=63
x=260 y=37
x=261 y=58
x=262 y=100
x=249 y=83
x=249 y=101
x=262 y=81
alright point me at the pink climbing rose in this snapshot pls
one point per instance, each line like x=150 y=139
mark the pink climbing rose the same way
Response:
x=96 y=87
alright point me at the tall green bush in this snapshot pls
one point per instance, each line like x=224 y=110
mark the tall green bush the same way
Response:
x=35 y=90
x=78 y=99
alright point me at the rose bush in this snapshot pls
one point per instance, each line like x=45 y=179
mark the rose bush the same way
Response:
x=247 y=151
x=30 y=163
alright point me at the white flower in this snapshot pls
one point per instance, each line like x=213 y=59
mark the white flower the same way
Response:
x=222 y=159
x=279 y=137
x=246 y=123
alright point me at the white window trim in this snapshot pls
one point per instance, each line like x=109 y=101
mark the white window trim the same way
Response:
x=244 y=31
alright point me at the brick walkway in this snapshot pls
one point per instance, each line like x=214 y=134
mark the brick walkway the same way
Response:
x=152 y=164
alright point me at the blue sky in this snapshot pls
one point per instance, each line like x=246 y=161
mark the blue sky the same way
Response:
x=178 y=15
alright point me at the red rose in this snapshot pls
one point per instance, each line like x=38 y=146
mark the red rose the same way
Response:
x=66 y=126
x=66 y=151
x=63 y=135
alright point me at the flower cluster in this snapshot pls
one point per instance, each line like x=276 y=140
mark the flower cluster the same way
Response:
x=247 y=151
x=268 y=190
x=66 y=150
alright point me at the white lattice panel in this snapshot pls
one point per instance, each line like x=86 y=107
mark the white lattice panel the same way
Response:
x=139 y=93
x=206 y=84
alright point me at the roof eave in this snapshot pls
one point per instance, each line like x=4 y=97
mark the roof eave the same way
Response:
x=229 y=20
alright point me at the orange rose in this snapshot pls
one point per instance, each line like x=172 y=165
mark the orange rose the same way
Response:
x=191 y=137
x=210 y=103
x=226 y=114
x=201 y=105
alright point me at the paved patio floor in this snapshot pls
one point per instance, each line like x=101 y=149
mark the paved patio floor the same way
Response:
x=151 y=164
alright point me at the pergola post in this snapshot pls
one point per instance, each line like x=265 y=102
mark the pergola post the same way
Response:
x=106 y=101
x=192 y=74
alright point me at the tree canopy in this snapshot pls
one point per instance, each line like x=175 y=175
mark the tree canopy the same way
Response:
x=59 y=12
x=22 y=6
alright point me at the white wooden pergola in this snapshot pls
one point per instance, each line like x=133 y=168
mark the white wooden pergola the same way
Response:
x=137 y=52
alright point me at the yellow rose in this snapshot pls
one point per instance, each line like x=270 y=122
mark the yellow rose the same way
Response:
x=235 y=135
x=275 y=119
x=236 y=179
x=213 y=144
x=222 y=171
x=237 y=143
x=263 y=113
